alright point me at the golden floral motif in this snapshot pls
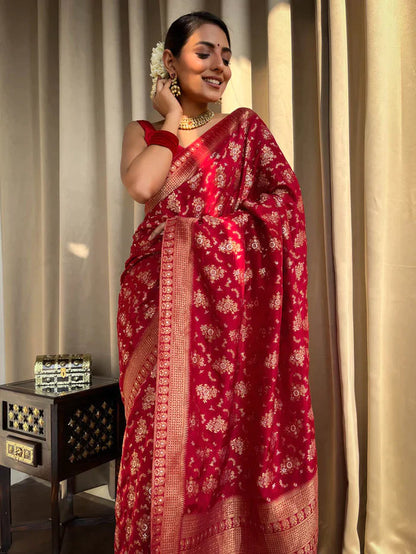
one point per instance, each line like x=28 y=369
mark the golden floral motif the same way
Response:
x=254 y=244
x=223 y=365
x=131 y=496
x=230 y=246
x=241 y=389
x=220 y=177
x=267 y=420
x=299 y=269
x=237 y=445
x=235 y=150
x=194 y=181
x=200 y=300
x=228 y=476
x=265 y=479
x=197 y=205
x=298 y=356
x=217 y=425
x=311 y=451
x=241 y=219
x=238 y=275
x=295 y=427
x=288 y=176
x=297 y=322
x=150 y=312
x=275 y=243
x=300 y=239
x=214 y=273
x=143 y=528
x=192 y=487
x=202 y=241
x=149 y=398
x=272 y=360
x=298 y=391
x=173 y=203
x=141 y=430
x=289 y=464
x=205 y=392
x=227 y=305
x=267 y=155
x=286 y=230
x=210 y=332
x=276 y=301
x=209 y=484
x=198 y=360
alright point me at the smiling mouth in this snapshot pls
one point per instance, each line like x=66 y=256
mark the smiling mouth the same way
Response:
x=212 y=80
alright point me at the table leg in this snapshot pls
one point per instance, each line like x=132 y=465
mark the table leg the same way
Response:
x=5 y=509
x=55 y=518
x=69 y=499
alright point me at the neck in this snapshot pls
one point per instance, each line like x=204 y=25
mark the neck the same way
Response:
x=192 y=109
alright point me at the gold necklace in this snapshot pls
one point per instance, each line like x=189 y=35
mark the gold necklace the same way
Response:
x=188 y=123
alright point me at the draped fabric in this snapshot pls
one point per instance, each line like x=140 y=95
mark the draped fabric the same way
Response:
x=220 y=306
x=334 y=81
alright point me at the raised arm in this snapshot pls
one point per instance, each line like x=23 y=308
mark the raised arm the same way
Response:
x=144 y=168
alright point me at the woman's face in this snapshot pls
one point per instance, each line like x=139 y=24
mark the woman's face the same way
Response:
x=203 y=64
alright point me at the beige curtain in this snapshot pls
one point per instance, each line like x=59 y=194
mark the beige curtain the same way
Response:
x=335 y=80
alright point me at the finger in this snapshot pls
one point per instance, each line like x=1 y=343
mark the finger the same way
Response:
x=160 y=84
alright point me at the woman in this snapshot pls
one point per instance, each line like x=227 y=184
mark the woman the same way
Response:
x=219 y=453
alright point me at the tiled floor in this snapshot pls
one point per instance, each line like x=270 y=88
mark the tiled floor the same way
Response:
x=30 y=501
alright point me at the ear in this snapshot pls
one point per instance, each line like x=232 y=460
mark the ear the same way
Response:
x=169 y=61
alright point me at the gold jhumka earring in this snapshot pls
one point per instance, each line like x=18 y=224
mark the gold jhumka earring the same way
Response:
x=174 y=87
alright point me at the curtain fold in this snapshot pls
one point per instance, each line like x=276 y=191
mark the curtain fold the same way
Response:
x=390 y=216
x=340 y=191
x=335 y=82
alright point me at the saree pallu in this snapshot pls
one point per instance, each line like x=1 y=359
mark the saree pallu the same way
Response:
x=219 y=451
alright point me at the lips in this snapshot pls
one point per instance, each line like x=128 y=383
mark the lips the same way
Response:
x=212 y=81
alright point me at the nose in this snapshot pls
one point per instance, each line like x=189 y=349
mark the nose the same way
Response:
x=218 y=62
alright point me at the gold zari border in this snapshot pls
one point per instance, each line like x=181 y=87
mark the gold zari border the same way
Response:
x=140 y=365
x=237 y=526
x=172 y=395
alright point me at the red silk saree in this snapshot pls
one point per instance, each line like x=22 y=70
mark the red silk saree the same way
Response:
x=219 y=451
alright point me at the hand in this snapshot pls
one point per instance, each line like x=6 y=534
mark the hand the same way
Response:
x=157 y=231
x=164 y=101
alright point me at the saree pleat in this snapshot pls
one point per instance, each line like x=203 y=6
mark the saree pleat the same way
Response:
x=219 y=453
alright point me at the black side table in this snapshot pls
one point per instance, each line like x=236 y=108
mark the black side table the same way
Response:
x=55 y=437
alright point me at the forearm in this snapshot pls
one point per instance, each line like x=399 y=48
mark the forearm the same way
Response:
x=147 y=172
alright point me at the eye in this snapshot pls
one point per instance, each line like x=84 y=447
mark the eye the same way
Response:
x=226 y=62
x=202 y=56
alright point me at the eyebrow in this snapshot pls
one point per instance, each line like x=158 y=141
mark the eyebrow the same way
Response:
x=211 y=45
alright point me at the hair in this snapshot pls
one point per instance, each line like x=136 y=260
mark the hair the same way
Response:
x=182 y=28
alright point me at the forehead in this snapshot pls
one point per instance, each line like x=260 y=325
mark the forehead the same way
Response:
x=208 y=32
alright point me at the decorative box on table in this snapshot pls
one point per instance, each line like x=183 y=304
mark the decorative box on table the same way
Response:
x=62 y=372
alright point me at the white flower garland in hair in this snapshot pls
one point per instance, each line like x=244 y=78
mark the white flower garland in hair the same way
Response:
x=157 y=67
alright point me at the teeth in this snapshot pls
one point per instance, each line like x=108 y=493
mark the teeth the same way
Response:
x=214 y=81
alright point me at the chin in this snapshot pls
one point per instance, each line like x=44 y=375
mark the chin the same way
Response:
x=203 y=98
x=210 y=98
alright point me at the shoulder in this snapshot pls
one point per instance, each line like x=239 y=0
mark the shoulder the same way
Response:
x=134 y=134
x=134 y=128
